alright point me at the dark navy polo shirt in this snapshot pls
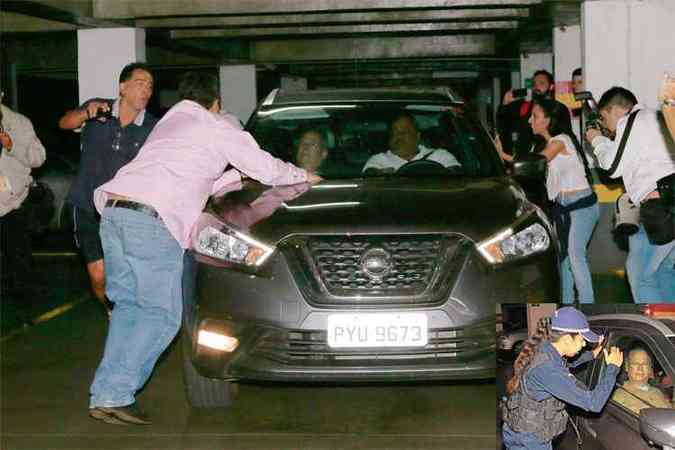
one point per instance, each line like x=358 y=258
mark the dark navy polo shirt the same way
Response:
x=105 y=147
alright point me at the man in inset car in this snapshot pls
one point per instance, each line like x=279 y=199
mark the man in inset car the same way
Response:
x=147 y=213
x=636 y=393
x=405 y=147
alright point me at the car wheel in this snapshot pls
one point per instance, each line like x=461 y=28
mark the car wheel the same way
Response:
x=203 y=392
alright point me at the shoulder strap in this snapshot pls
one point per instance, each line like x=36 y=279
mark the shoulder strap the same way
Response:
x=622 y=144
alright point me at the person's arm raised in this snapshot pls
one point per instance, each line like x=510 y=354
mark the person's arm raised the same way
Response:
x=74 y=118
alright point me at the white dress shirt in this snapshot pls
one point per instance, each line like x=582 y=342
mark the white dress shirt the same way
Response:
x=646 y=157
x=390 y=160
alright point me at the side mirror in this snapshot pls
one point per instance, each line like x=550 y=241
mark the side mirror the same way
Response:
x=532 y=165
x=658 y=426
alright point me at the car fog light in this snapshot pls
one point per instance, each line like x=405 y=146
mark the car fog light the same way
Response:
x=217 y=341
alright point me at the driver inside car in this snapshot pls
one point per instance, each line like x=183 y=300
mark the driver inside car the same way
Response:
x=405 y=147
x=636 y=393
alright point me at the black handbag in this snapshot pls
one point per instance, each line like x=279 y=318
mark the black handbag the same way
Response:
x=658 y=218
x=658 y=215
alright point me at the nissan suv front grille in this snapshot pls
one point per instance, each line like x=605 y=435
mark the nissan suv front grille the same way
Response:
x=403 y=265
x=367 y=270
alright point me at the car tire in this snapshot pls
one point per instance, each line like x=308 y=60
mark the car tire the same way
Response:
x=203 y=392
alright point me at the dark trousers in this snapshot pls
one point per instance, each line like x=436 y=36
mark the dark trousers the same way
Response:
x=16 y=255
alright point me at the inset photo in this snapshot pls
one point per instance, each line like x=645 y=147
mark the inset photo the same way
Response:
x=597 y=377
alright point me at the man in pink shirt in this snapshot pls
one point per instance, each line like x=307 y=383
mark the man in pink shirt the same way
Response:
x=147 y=212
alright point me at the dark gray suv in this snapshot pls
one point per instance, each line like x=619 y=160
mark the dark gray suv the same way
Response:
x=388 y=275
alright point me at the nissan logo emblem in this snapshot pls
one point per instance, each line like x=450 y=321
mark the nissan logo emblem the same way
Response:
x=376 y=263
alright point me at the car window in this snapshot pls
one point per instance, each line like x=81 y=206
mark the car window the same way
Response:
x=353 y=133
x=642 y=382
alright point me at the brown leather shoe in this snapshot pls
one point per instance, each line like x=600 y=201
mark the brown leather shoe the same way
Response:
x=130 y=414
x=96 y=413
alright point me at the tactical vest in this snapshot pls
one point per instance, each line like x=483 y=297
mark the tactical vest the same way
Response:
x=546 y=419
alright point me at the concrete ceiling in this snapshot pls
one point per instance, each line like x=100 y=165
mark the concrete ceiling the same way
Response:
x=314 y=37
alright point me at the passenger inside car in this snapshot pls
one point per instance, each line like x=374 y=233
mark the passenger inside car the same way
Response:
x=404 y=147
x=636 y=392
x=312 y=150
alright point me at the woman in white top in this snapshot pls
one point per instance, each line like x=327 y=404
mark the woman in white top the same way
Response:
x=575 y=210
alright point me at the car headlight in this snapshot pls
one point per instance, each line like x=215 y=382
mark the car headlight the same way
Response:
x=212 y=237
x=507 y=246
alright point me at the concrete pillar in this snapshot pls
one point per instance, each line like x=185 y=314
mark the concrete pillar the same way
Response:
x=238 y=90
x=531 y=62
x=567 y=57
x=566 y=52
x=101 y=55
x=628 y=43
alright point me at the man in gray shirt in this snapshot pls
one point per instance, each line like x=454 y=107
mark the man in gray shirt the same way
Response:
x=21 y=152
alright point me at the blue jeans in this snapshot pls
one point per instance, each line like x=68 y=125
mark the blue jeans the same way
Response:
x=522 y=441
x=574 y=268
x=143 y=267
x=650 y=269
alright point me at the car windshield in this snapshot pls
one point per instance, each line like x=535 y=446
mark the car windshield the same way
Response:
x=346 y=140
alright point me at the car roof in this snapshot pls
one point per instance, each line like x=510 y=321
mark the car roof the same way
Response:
x=280 y=97
x=665 y=326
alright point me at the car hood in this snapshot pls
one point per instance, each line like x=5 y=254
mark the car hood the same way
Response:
x=475 y=208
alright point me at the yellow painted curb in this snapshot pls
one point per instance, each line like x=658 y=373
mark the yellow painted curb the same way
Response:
x=608 y=193
x=59 y=310
x=47 y=316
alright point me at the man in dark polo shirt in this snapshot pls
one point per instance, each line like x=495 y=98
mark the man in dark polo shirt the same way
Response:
x=113 y=131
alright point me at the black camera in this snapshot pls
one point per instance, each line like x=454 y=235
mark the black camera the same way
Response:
x=101 y=114
x=522 y=93
x=593 y=117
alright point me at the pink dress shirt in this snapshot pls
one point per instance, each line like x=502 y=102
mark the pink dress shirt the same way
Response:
x=183 y=162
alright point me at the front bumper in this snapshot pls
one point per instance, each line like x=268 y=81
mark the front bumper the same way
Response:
x=273 y=354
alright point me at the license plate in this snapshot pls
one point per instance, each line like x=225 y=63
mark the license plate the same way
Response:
x=377 y=330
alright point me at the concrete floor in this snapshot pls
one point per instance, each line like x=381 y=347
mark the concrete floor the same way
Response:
x=46 y=371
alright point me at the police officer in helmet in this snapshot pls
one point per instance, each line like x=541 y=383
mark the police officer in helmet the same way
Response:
x=542 y=385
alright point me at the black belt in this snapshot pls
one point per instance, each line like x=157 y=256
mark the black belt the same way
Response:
x=135 y=206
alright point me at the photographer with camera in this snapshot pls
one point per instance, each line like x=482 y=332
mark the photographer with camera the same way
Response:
x=639 y=154
x=513 y=117
x=112 y=133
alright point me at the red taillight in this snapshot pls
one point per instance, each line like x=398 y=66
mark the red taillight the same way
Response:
x=660 y=311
